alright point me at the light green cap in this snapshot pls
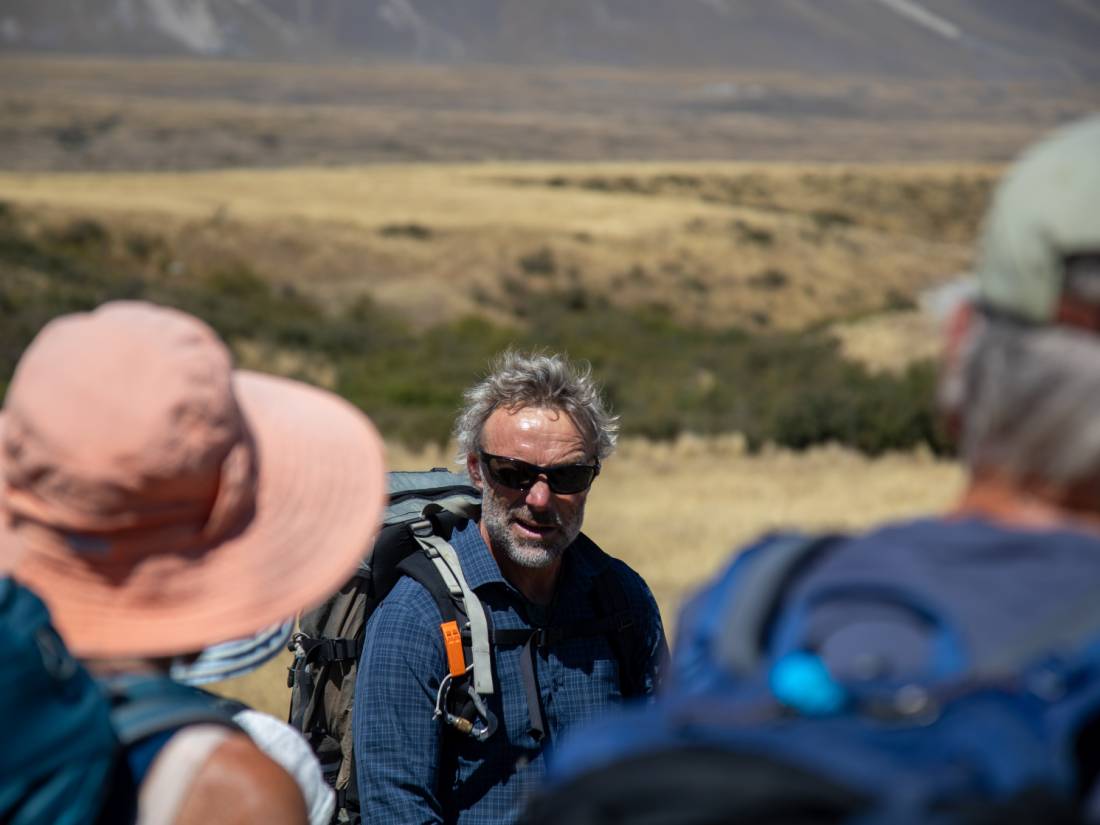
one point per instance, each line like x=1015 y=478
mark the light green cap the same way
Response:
x=1046 y=207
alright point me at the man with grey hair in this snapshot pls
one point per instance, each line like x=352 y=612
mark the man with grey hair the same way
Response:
x=877 y=633
x=532 y=435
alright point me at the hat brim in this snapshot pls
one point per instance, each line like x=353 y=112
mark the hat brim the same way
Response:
x=319 y=502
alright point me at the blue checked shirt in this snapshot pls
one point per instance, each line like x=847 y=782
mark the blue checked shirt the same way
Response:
x=414 y=769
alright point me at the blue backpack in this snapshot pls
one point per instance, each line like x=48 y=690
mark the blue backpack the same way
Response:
x=765 y=735
x=74 y=749
x=59 y=747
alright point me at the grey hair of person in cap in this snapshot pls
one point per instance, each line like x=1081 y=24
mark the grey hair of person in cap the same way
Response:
x=1026 y=401
x=537 y=379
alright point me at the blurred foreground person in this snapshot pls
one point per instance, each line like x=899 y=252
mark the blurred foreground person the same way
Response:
x=566 y=630
x=160 y=502
x=939 y=670
x=276 y=738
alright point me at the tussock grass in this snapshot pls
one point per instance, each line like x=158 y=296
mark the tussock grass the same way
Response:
x=718 y=245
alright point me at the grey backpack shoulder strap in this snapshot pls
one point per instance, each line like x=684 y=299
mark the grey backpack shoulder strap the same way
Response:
x=445 y=559
x=749 y=605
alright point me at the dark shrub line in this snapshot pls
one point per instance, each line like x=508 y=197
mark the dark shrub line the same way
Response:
x=664 y=378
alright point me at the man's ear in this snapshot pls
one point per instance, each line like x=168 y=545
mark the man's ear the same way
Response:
x=473 y=469
x=958 y=325
x=958 y=328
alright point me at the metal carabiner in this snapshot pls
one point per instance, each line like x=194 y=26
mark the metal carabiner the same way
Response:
x=480 y=728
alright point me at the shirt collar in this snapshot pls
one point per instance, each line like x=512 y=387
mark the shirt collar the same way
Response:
x=478 y=565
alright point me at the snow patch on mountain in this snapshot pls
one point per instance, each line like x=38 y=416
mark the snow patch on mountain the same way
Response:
x=189 y=22
x=924 y=17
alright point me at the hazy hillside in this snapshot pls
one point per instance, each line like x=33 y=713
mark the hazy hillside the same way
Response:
x=985 y=39
x=94 y=114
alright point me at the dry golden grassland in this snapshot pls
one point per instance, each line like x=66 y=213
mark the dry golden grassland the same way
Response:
x=758 y=246
x=675 y=511
x=890 y=341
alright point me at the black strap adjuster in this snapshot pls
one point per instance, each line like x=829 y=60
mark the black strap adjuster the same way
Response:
x=325 y=651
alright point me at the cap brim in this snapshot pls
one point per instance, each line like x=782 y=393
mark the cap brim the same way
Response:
x=318 y=505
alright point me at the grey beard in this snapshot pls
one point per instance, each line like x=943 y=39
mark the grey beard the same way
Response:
x=530 y=554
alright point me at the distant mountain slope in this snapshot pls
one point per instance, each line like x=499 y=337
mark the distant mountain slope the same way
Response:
x=986 y=39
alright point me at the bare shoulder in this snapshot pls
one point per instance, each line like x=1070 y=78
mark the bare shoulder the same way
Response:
x=240 y=784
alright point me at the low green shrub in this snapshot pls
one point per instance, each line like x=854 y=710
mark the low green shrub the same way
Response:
x=662 y=377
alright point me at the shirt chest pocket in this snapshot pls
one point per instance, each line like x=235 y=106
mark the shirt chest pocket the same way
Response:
x=584 y=675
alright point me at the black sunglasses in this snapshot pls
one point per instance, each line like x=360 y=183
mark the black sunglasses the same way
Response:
x=514 y=474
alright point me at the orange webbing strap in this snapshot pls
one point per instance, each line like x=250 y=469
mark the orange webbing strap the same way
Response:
x=452 y=640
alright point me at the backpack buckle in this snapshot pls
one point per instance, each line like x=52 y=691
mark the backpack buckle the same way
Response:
x=323 y=651
x=544 y=637
x=422 y=528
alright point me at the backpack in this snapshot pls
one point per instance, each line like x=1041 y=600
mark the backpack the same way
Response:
x=1008 y=736
x=59 y=748
x=68 y=737
x=424 y=508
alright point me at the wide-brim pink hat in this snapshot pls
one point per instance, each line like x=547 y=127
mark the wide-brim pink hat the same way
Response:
x=160 y=502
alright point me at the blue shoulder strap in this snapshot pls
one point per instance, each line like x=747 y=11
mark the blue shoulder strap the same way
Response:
x=146 y=710
x=142 y=706
x=750 y=604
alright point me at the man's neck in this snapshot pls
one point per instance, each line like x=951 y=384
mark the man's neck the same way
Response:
x=1035 y=506
x=537 y=584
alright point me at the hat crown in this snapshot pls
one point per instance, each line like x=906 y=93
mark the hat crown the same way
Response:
x=82 y=454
